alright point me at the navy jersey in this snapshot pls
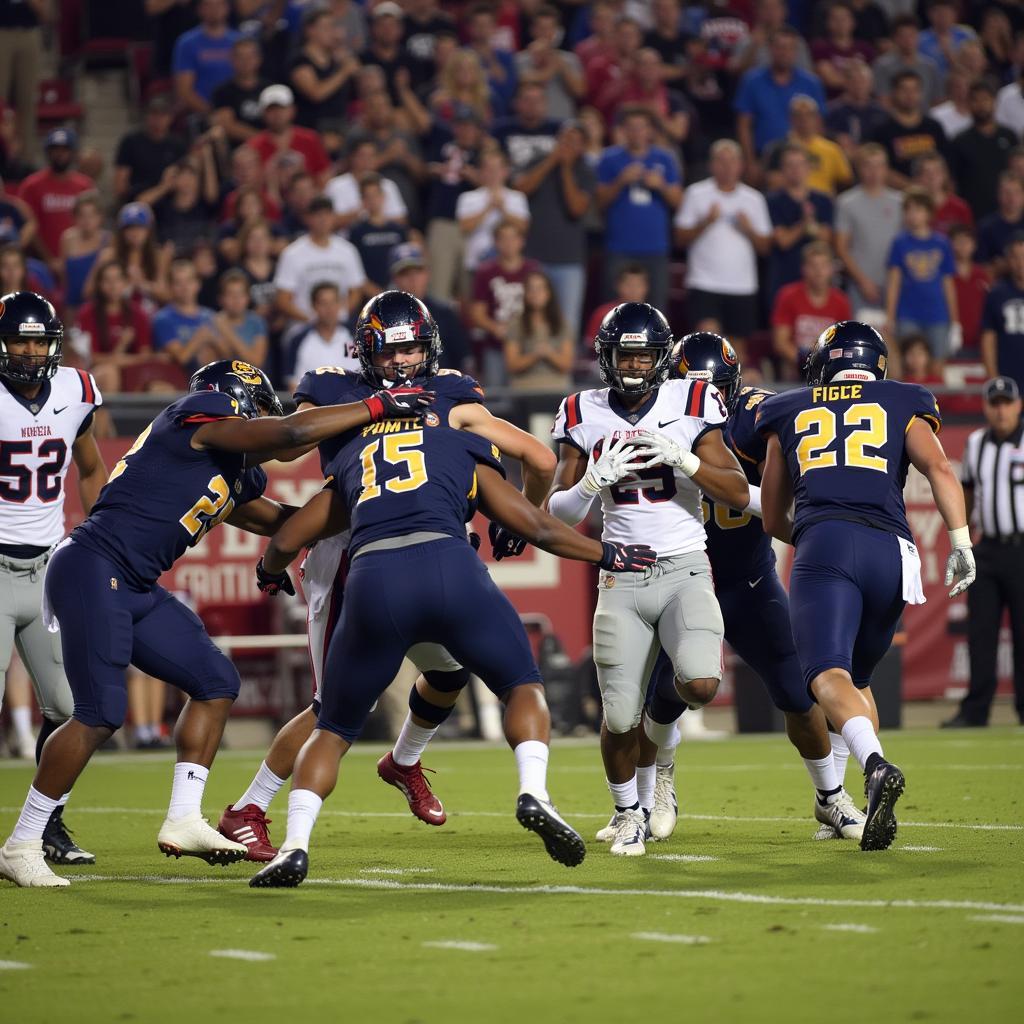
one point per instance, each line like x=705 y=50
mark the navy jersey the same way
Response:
x=164 y=495
x=845 y=446
x=738 y=547
x=331 y=385
x=404 y=477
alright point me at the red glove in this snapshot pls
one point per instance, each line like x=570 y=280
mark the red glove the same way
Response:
x=401 y=403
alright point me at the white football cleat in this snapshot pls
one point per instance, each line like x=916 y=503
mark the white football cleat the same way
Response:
x=25 y=864
x=629 y=834
x=665 y=811
x=193 y=837
x=840 y=814
x=607 y=834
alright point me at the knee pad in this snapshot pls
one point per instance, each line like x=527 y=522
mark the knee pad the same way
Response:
x=620 y=716
x=447 y=682
x=422 y=708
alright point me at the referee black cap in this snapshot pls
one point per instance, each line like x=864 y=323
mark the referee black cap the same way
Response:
x=1001 y=389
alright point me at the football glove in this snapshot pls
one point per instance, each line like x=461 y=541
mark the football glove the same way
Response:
x=666 y=452
x=627 y=557
x=474 y=539
x=272 y=583
x=400 y=403
x=616 y=461
x=504 y=543
x=960 y=568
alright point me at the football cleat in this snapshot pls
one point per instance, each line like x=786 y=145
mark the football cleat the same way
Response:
x=193 y=837
x=607 y=834
x=24 y=865
x=414 y=786
x=286 y=871
x=665 y=811
x=248 y=826
x=883 y=787
x=58 y=846
x=561 y=840
x=629 y=834
x=840 y=814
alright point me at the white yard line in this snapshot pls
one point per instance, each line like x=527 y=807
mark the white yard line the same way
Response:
x=1001 y=918
x=243 y=954
x=396 y=871
x=683 y=940
x=466 y=947
x=859 y=929
x=13 y=965
x=683 y=858
x=921 y=849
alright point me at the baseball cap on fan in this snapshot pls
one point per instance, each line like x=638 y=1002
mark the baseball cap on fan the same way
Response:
x=276 y=96
x=405 y=257
x=388 y=9
x=61 y=137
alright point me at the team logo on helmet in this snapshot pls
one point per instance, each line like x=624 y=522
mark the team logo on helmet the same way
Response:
x=246 y=371
x=729 y=353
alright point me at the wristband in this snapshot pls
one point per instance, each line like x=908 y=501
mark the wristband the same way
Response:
x=376 y=407
x=960 y=538
x=754 y=505
x=689 y=464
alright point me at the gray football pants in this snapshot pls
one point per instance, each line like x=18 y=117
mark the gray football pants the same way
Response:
x=672 y=605
x=21 y=623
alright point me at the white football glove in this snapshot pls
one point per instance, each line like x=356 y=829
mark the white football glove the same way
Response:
x=666 y=452
x=611 y=465
x=960 y=568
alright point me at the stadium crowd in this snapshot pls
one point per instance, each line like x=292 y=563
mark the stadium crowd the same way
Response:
x=755 y=167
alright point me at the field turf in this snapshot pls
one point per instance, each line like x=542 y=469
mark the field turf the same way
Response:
x=739 y=917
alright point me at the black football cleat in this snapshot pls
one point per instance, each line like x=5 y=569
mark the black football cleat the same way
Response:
x=58 y=846
x=286 y=871
x=561 y=840
x=883 y=787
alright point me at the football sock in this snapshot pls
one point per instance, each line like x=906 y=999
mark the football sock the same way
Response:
x=840 y=755
x=665 y=736
x=187 y=790
x=303 y=807
x=263 y=788
x=46 y=730
x=21 y=719
x=823 y=774
x=62 y=802
x=624 y=794
x=532 y=762
x=860 y=737
x=34 y=815
x=645 y=786
x=411 y=742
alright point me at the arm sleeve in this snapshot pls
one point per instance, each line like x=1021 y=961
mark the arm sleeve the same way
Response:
x=571 y=505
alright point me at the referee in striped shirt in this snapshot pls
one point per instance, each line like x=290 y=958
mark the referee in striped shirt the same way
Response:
x=993 y=479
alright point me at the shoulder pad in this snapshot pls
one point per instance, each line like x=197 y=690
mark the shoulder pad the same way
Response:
x=452 y=382
x=329 y=385
x=203 y=407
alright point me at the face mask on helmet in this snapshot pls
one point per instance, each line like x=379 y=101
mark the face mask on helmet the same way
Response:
x=26 y=317
x=391 y=322
x=28 y=369
x=633 y=379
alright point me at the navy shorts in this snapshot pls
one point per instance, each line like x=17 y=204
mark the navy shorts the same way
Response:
x=435 y=592
x=846 y=598
x=105 y=625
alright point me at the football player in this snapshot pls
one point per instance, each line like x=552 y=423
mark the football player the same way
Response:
x=397 y=340
x=840 y=448
x=658 y=496
x=46 y=412
x=413 y=579
x=755 y=609
x=194 y=466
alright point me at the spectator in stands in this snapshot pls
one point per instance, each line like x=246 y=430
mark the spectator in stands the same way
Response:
x=344 y=193
x=480 y=210
x=638 y=188
x=250 y=208
x=183 y=330
x=932 y=174
x=202 y=57
x=765 y=93
x=539 y=346
x=725 y=225
x=839 y=48
x=350 y=19
x=497 y=298
x=15 y=274
x=631 y=285
x=424 y=24
x=666 y=37
x=318 y=256
x=980 y=154
x=299 y=194
x=917 y=366
x=236 y=102
x=560 y=187
x=257 y=261
x=804 y=308
x=322 y=73
x=170 y=19
x=242 y=332
x=854 y=116
x=375 y=234
x=954 y=114
x=829 y=170
x=800 y=214
x=144 y=154
x=203 y=254
x=185 y=201
x=904 y=56
x=972 y=284
x=17 y=221
x=324 y=340
x=1010 y=105
x=1002 y=322
x=247 y=173
x=499 y=65
x=284 y=147
x=80 y=245
x=907 y=134
x=50 y=193
x=604 y=70
x=920 y=295
x=558 y=71
x=111 y=328
x=770 y=16
x=945 y=37
x=995 y=230
x=453 y=167
x=385 y=47
x=462 y=83
x=643 y=85
x=21 y=60
x=144 y=264
x=530 y=133
x=996 y=35
x=601 y=43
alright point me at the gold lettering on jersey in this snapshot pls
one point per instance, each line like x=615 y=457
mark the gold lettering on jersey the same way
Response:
x=389 y=427
x=40 y=431
x=836 y=392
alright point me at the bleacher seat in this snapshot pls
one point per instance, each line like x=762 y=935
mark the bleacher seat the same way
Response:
x=57 y=103
x=140 y=376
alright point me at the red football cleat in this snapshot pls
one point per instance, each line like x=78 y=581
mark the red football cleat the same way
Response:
x=413 y=783
x=248 y=826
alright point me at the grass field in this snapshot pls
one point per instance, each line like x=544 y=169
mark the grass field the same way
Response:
x=739 y=917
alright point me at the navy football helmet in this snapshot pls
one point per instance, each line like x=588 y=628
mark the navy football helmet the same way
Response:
x=704 y=355
x=847 y=346
x=248 y=385
x=396 y=318
x=26 y=316
x=634 y=327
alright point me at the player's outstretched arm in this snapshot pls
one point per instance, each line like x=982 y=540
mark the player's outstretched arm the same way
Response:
x=776 y=494
x=92 y=474
x=323 y=515
x=261 y=516
x=927 y=456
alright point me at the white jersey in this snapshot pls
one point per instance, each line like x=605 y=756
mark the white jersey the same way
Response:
x=36 y=437
x=659 y=506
